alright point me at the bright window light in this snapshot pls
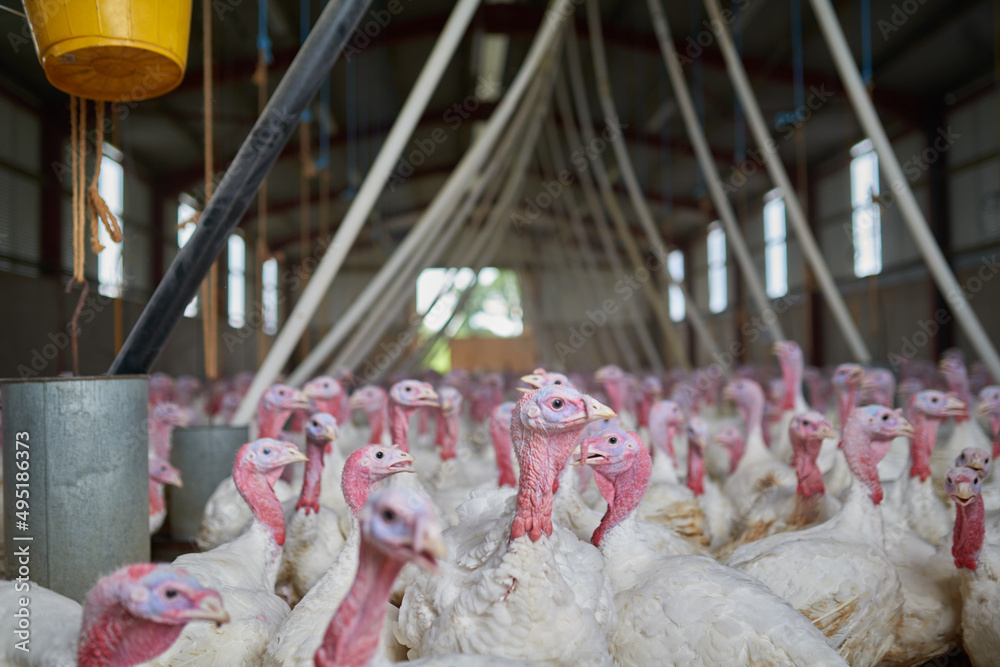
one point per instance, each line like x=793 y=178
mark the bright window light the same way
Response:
x=492 y=62
x=269 y=296
x=184 y=213
x=237 y=281
x=111 y=186
x=866 y=221
x=493 y=308
x=718 y=287
x=775 y=248
x=675 y=265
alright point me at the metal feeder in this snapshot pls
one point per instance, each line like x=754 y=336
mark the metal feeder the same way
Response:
x=75 y=469
x=205 y=456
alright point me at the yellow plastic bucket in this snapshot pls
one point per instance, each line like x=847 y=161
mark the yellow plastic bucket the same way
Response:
x=115 y=50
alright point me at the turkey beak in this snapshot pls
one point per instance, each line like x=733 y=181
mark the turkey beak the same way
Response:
x=174 y=478
x=534 y=380
x=330 y=433
x=299 y=401
x=403 y=463
x=857 y=374
x=209 y=609
x=428 y=398
x=728 y=393
x=826 y=431
x=954 y=407
x=987 y=407
x=429 y=545
x=292 y=455
x=576 y=457
x=963 y=493
x=525 y=390
x=597 y=410
x=601 y=375
x=976 y=465
x=904 y=429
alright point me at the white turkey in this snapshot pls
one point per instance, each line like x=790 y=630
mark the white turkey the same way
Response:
x=128 y=617
x=689 y=610
x=515 y=585
x=226 y=512
x=838 y=573
x=296 y=640
x=397 y=527
x=243 y=571
x=978 y=561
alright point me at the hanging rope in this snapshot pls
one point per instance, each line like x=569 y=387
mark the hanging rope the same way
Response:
x=260 y=78
x=99 y=209
x=84 y=198
x=210 y=286
x=306 y=171
x=75 y=161
x=866 y=44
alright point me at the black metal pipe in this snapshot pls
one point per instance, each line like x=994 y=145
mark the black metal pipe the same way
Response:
x=239 y=185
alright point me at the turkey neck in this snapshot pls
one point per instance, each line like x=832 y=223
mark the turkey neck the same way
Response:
x=258 y=490
x=616 y=394
x=353 y=635
x=922 y=445
x=995 y=424
x=735 y=455
x=970 y=530
x=752 y=410
x=541 y=458
x=111 y=637
x=376 y=420
x=447 y=434
x=312 y=481
x=159 y=433
x=958 y=383
x=356 y=483
x=399 y=423
x=791 y=373
x=629 y=487
x=157 y=503
x=501 y=447
x=810 y=479
x=845 y=402
x=696 y=468
x=860 y=516
x=270 y=421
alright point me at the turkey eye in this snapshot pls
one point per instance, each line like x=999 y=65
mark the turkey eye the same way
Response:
x=267 y=450
x=407 y=388
x=806 y=424
x=885 y=418
x=558 y=382
x=170 y=593
x=557 y=403
x=986 y=460
x=948 y=480
x=379 y=455
x=613 y=440
x=389 y=515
